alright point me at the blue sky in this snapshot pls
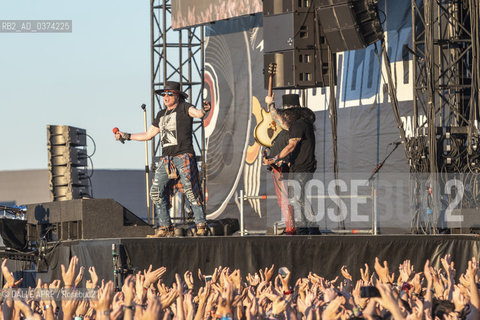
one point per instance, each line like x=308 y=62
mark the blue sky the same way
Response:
x=94 y=78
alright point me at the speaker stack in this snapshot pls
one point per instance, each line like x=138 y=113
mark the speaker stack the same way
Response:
x=349 y=24
x=67 y=163
x=292 y=40
x=299 y=33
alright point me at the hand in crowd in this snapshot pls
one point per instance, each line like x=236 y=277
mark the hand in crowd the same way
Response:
x=10 y=281
x=429 y=294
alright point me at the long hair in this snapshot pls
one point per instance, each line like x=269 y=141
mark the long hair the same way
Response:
x=308 y=115
x=293 y=114
x=290 y=115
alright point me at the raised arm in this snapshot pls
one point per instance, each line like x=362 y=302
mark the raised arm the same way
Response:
x=142 y=136
x=273 y=111
x=196 y=113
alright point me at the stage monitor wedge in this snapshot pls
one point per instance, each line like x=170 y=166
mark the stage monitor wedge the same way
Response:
x=83 y=219
x=349 y=24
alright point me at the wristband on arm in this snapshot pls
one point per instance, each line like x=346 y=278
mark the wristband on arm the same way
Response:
x=205 y=112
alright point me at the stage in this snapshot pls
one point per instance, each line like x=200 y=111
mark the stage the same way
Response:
x=322 y=254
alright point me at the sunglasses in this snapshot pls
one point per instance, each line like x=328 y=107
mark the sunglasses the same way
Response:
x=170 y=94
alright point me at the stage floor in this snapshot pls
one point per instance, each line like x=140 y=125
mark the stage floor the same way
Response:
x=323 y=254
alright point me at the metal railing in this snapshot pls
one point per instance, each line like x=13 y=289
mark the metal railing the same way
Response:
x=374 y=229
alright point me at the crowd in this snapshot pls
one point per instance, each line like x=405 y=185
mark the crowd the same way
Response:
x=429 y=293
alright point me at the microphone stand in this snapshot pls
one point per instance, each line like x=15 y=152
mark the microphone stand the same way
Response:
x=370 y=181
x=147 y=170
x=380 y=164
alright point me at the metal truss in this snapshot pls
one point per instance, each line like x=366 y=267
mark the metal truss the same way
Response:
x=443 y=68
x=176 y=55
x=445 y=46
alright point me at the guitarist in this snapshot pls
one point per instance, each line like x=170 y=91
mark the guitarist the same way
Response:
x=281 y=140
x=282 y=167
x=300 y=151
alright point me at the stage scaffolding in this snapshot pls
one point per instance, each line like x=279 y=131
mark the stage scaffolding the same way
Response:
x=176 y=55
x=445 y=45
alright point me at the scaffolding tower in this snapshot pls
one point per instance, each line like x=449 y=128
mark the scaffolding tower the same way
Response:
x=445 y=45
x=176 y=55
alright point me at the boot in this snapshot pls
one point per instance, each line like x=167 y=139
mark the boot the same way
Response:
x=179 y=232
x=302 y=231
x=163 y=232
x=202 y=230
x=290 y=232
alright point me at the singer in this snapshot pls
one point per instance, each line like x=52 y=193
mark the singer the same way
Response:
x=174 y=123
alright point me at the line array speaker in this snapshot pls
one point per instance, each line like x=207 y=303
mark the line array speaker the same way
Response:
x=298 y=68
x=293 y=40
x=67 y=163
x=289 y=31
x=349 y=24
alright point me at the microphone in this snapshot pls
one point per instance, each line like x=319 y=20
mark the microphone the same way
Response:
x=121 y=139
x=143 y=106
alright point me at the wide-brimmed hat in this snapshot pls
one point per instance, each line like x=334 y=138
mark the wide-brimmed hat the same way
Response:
x=172 y=86
x=290 y=101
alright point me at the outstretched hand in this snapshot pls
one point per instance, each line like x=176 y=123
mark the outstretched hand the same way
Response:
x=152 y=276
x=365 y=274
x=267 y=274
x=79 y=277
x=120 y=135
x=9 y=278
x=382 y=272
x=68 y=275
x=206 y=105
x=93 y=276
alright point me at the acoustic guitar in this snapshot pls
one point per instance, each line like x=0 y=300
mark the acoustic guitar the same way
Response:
x=267 y=129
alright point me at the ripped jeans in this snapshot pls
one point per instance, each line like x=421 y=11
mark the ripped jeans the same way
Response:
x=163 y=186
